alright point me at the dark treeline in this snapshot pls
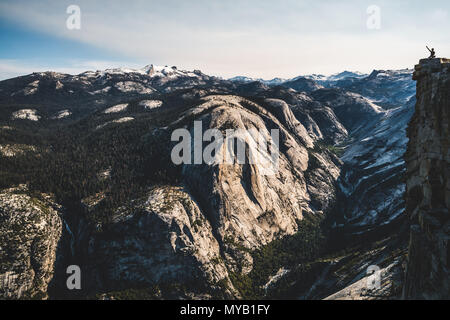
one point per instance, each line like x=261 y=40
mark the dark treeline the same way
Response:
x=68 y=161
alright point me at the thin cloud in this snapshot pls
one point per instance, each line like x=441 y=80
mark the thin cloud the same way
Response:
x=255 y=38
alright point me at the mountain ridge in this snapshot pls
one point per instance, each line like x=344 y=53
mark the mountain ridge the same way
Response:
x=105 y=139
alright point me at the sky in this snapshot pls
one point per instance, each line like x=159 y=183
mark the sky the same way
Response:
x=255 y=38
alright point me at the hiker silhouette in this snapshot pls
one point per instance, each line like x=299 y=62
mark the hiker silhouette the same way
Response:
x=432 y=53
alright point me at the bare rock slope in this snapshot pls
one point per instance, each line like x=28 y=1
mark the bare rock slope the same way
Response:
x=204 y=228
x=30 y=229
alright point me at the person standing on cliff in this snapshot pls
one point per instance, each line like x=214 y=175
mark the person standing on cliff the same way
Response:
x=432 y=53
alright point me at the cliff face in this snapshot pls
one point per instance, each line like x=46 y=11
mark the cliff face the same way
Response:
x=428 y=184
x=30 y=230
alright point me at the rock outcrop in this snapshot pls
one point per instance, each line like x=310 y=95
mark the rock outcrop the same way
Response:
x=428 y=184
x=30 y=229
x=204 y=230
x=160 y=238
x=240 y=201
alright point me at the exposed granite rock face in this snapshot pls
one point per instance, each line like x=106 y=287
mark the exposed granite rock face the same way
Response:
x=428 y=184
x=30 y=229
x=246 y=205
x=163 y=237
x=204 y=230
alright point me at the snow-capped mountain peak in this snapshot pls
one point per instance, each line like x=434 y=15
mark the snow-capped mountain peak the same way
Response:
x=346 y=74
x=244 y=79
x=149 y=70
x=164 y=71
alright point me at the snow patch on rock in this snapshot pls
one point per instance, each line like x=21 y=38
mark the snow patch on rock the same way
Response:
x=62 y=114
x=116 y=108
x=58 y=85
x=12 y=150
x=26 y=114
x=121 y=120
x=151 y=104
x=30 y=89
x=131 y=86
x=124 y=119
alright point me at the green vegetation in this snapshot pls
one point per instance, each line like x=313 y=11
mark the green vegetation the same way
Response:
x=150 y=293
x=70 y=158
x=290 y=251
x=338 y=151
x=172 y=290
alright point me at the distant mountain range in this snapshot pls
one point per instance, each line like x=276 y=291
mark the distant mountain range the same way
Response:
x=315 y=77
